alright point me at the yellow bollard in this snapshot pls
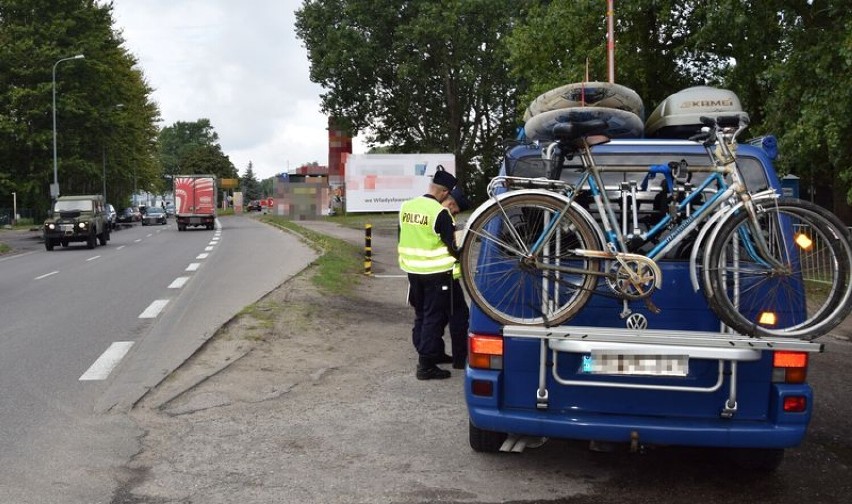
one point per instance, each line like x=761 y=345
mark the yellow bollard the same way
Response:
x=368 y=249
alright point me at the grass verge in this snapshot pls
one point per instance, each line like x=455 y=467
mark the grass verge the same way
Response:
x=339 y=265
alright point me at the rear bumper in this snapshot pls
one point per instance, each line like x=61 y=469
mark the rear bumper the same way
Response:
x=195 y=220
x=779 y=429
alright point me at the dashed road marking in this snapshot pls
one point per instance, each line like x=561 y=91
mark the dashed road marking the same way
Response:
x=93 y=258
x=208 y=249
x=154 y=308
x=178 y=282
x=108 y=360
x=46 y=275
x=202 y=256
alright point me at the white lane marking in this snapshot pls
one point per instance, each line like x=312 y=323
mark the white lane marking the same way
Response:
x=120 y=247
x=149 y=235
x=178 y=282
x=93 y=258
x=154 y=309
x=208 y=249
x=212 y=242
x=137 y=240
x=46 y=275
x=104 y=365
x=193 y=266
x=202 y=256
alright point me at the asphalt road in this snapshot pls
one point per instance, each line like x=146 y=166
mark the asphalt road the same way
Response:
x=86 y=333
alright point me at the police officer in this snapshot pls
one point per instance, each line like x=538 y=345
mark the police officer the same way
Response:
x=427 y=252
x=459 y=314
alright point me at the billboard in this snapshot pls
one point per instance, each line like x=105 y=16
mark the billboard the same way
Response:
x=381 y=182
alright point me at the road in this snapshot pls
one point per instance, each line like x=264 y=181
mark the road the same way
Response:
x=86 y=333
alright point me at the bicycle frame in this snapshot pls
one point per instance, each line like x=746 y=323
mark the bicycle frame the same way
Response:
x=724 y=165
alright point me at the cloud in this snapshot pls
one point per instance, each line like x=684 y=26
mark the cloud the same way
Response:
x=238 y=64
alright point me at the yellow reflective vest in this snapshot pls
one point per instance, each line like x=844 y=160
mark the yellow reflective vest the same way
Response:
x=420 y=249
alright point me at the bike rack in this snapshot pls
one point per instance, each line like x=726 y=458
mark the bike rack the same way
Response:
x=726 y=348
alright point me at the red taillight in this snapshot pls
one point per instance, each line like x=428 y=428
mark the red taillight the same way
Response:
x=482 y=388
x=789 y=367
x=795 y=404
x=485 y=352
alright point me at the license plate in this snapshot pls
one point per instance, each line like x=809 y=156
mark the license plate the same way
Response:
x=67 y=227
x=635 y=364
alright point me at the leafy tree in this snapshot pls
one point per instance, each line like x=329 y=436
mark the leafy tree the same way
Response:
x=557 y=43
x=208 y=159
x=419 y=76
x=180 y=139
x=250 y=185
x=810 y=105
x=34 y=36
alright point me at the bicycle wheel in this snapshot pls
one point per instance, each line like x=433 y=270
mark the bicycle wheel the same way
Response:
x=806 y=296
x=513 y=286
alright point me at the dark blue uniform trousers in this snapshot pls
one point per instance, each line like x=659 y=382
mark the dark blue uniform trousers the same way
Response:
x=459 y=315
x=431 y=296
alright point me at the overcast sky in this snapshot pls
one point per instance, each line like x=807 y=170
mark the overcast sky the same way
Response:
x=237 y=63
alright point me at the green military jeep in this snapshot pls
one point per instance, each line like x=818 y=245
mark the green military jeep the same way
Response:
x=77 y=219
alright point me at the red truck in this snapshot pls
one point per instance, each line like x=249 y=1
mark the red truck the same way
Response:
x=195 y=201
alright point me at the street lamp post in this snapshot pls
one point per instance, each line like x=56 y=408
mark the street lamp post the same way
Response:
x=54 y=189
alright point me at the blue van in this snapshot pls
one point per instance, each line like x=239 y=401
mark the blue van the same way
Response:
x=661 y=373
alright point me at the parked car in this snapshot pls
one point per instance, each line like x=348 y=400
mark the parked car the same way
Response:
x=137 y=213
x=253 y=206
x=154 y=215
x=126 y=217
x=111 y=216
x=577 y=381
x=170 y=211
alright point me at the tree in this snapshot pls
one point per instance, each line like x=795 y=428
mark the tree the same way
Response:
x=208 y=159
x=810 y=105
x=250 y=185
x=188 y=148
x=181 y=138
x=557 y=43
x=406 y=73
x=34 y=35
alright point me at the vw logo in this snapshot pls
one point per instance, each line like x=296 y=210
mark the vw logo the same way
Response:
x=637 y=321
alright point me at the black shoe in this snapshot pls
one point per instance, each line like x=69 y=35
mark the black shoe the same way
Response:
x=432 y=373
x=459 y=364
x=444 y=359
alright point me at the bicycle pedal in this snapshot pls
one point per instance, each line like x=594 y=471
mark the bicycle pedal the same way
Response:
x=652 y=307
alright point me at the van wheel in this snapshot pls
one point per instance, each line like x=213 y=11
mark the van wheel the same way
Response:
x=48 y=244
x=92 y=241
x=759 y=460
x=103 y=238
x=486 y=441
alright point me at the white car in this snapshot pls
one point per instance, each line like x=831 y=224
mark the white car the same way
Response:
x=111 y=216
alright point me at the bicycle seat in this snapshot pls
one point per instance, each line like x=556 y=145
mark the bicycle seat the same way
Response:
x=570 y=132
